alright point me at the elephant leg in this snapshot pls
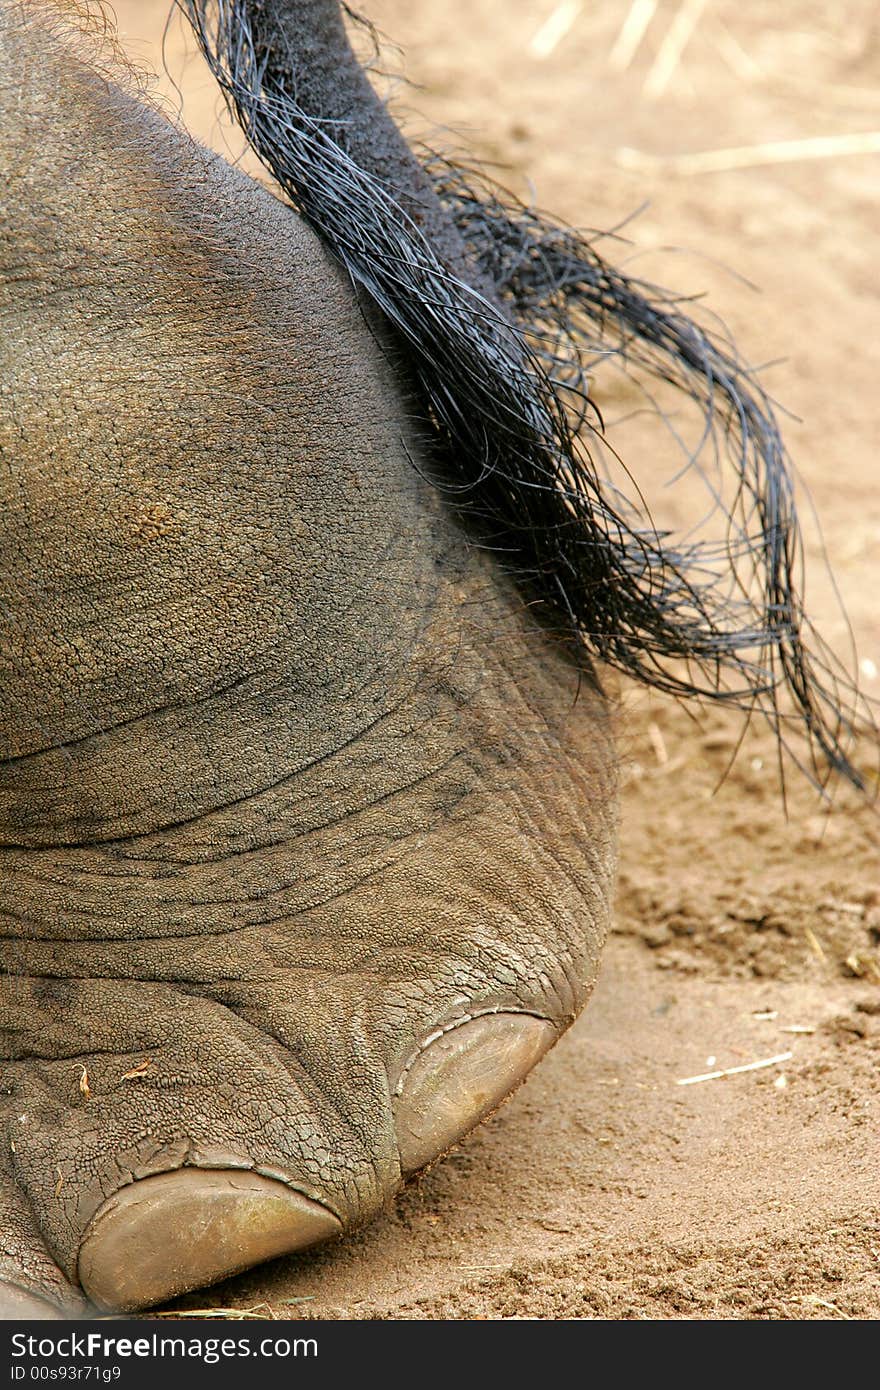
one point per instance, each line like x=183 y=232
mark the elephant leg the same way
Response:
x=235 y=1053
x=306 y=828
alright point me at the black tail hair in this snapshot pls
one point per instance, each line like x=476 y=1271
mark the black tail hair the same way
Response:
x=501 y=334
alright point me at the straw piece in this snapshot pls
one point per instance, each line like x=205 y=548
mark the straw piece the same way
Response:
x=258 y=1311
x=736 y=1071
x=632 y=31
x=741 y=63
x=753 y=156
x=554 y=28
x=678 y=36
x=815 y=944
x=823 y=1303
x=658 y=743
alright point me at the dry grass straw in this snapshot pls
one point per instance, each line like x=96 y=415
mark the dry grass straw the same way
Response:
x=675 y=41
x=736 y=1071
x=558 y=23
x=632 y=32
x=752 y=156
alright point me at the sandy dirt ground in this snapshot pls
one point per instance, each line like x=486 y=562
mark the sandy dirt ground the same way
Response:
x=604 y=1188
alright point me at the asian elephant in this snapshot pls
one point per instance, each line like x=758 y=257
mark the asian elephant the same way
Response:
x=307 y=770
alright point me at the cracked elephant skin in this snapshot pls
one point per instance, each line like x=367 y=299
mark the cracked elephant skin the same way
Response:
x=306 y=828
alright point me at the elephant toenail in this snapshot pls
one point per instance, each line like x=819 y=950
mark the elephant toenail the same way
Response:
x=177 y=1231
x=460 y=1076
x=19 y=1305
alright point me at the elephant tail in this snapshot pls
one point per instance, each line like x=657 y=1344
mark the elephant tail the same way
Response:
x=503 y=315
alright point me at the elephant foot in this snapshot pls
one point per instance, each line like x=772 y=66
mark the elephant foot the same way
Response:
x=235 y=1037
x=168 y=1233
x=174 y=1232
x=167 y=1138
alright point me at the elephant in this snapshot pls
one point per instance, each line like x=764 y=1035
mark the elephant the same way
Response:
x=311 y=605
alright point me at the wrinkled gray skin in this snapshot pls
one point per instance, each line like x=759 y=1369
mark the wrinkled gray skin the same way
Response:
x=288 y=778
